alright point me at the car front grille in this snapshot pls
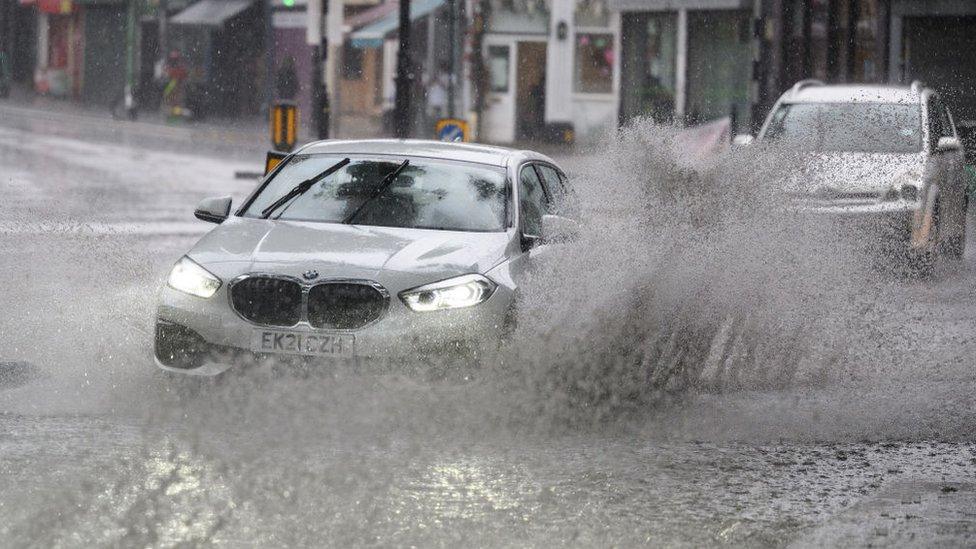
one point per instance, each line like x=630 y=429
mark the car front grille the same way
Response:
x=268 y=300
x=284 y=302
x=344 y=305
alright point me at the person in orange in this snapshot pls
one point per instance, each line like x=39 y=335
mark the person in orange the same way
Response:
x=176 y=75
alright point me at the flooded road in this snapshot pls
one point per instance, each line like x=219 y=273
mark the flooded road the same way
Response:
x=871 y=439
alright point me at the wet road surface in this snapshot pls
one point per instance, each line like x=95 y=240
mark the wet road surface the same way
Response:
x=94 y=450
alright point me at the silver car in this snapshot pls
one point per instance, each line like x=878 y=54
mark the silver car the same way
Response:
x=364 y=249
x=886 y=155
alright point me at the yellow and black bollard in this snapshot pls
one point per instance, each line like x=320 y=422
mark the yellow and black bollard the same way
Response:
x=284 y=126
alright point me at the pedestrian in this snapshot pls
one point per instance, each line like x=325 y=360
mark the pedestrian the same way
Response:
x=437 y=94
x=176 y=74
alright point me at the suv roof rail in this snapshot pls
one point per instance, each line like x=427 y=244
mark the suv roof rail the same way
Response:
x=917 y=86
x=805 y=84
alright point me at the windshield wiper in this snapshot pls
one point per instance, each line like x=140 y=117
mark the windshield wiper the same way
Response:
x=302 y=188
x=380 y=189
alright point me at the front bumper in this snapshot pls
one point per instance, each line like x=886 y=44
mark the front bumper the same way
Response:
x=206 y=337
x=884 y=228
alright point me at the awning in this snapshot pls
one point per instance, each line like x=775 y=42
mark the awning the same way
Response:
x=674 y=5
x=210 y=13
x=372 y=35
x=54 y=7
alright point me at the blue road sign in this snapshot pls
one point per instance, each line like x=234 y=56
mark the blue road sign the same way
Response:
x=450 y=132
x=450 y=129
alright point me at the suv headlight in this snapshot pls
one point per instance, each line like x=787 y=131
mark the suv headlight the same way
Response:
x=453 y=293
x=909 y=192
x=190 y=278
x=908 y=185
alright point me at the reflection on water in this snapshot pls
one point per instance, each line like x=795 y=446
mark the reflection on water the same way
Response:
x=549 y=446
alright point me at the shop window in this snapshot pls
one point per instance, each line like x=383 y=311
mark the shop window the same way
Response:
x=594 y=63
x=866 y=52
x=647 y=71
x=352 y=63
x=719 y=67
x=498 y=63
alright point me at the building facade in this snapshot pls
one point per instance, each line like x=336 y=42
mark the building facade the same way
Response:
x=551 y=68
x=686 y=61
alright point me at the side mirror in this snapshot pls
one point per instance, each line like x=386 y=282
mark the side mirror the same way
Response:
x=947 y=144
x=213 y=210
x=742 y=140
x=556 y=228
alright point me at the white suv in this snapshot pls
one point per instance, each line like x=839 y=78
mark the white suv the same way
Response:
x=889 y=153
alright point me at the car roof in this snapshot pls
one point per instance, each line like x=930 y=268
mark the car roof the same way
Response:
x=463 y=152
x=851 y=93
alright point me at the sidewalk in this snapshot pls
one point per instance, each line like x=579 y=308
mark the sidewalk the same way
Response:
x=242 y=135
x=244 y=132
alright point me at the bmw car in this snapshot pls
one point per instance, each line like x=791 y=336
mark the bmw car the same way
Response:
x=374 y=249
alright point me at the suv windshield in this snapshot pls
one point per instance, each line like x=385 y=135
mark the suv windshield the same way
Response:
x=426 y=194
x=848 y=127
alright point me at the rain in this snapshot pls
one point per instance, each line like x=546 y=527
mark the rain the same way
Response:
x=597 y=273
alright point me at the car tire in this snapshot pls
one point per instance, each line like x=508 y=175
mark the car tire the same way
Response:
x=954 y=247
x=919 y=264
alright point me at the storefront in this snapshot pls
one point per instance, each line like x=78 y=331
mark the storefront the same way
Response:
x=369 y=57
x=551 y=72
x=685 y=61
x=18 y=40
x=59 y=48
x=934 y=42
x=103 y=76
x=293 y=58
x=221 y=43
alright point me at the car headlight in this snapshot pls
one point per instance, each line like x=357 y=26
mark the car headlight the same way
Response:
x=909 y=193
x=453 y=293
x=908 y=185
x=190 y=278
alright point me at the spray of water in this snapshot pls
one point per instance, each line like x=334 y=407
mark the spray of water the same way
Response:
x=690 y=278
x=693 y=306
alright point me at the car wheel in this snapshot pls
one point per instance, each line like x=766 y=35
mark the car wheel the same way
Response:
x=919 y=264
x=955 y=246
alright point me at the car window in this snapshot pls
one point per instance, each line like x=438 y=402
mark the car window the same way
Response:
x=946 y=123
x=427 y=194
x=848 y=127
x=532 y=201
x=572 y=202
x=562 y=200
x=939 y=125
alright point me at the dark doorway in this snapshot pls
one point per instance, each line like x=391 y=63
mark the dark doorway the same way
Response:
x=104 y=54
x=939 y=52
x=530 y=90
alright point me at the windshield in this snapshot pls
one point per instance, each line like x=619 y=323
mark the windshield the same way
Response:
x=426 y=194
x=848 y=127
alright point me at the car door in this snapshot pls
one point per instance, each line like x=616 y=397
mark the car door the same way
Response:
x=535 y=265
x=949 y=171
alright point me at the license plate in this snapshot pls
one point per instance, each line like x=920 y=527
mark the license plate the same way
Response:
x=302 y=343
